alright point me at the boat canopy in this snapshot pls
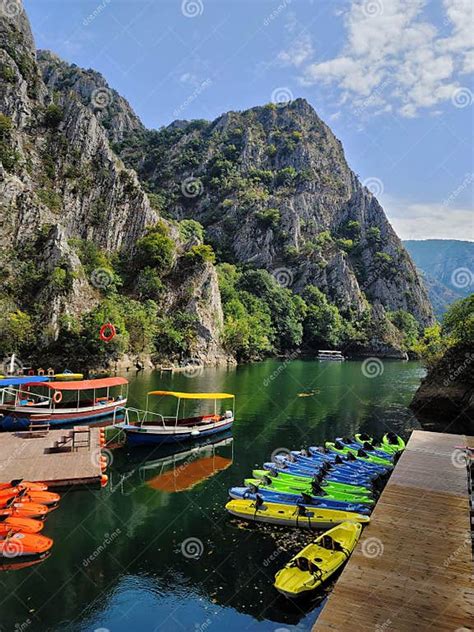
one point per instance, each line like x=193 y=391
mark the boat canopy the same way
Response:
x=19 y=381
x=83 y=385
x=193 y=395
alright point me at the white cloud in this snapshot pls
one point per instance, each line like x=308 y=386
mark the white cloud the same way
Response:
x=427 y=220
x=393 y=56
x=299 y=51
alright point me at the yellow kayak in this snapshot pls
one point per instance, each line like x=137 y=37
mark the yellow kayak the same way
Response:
x=291 y=515
x=68 y=376
x=314 y=564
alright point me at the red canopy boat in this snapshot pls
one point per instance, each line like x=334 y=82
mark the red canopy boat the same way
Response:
x=60 y=403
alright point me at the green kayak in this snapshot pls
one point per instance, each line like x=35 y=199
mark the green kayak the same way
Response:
x=392 y=442
x=306 y=480
x=274 y=484
x=368 y=458
x=362 y=439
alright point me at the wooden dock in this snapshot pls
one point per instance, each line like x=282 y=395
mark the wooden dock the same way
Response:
x=412 y=569
x=60 y=458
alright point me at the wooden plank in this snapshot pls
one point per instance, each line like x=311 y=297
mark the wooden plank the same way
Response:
x=23 y=456
x=412 y=569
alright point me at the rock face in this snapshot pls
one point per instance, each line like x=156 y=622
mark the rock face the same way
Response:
x=61 y=182
x=111 y=110
x=273 y=189
x=447 y=392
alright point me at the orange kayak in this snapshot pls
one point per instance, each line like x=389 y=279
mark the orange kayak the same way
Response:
x=23 y=509
x=26 y=525
x=49 y=499
x=21 y=484
x=12 y=565
x=20 y=545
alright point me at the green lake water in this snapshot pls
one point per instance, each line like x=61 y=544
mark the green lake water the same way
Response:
x=155 y=550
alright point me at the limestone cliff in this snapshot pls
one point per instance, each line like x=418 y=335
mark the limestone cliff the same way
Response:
x=61 y=184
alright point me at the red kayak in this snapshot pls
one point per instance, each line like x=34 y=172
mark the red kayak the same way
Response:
x=21 y=484
x=25 y=525
x=17 y=508
x=23 y=545
x=49 y=499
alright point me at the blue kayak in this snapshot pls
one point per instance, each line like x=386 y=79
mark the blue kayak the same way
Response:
x=371 y=467
x=294 y=499
x=367 y=447
x=354 y=468
x=335 y=475
x=332 y=459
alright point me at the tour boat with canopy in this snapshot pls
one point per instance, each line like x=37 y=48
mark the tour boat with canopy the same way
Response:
x=33 y=401
x=144 y=427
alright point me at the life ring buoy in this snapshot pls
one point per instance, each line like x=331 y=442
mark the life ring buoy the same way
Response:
x=40 y=371
x=31 y=372
x=57 y=397
x=107 y=332
x=50 y=372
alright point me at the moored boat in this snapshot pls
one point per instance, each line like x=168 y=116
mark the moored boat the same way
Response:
x=314 y=564
x=29 y=401
x=144 y=427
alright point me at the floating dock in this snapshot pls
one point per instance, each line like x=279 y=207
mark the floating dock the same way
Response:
x=60 y=458
x=412 y=569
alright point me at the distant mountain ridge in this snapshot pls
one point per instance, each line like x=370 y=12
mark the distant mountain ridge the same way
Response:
x=447 y=266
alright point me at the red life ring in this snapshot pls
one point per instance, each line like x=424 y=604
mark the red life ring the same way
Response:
x=57 y=397
x=107 y=332
x=31 y=372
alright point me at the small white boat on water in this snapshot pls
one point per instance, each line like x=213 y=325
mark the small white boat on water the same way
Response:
x=334 y=356
x=143 y=427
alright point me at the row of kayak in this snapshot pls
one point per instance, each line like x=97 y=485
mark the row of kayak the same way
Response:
x=332 y=487
x=23 y=508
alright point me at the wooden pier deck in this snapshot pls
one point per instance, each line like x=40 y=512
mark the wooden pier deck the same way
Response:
x=50 y=457
x=413 y=567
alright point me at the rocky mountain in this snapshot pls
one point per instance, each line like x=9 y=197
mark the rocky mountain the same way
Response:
x=63 y=189
x=273 y=189
x=98 y=217
x=447 y=266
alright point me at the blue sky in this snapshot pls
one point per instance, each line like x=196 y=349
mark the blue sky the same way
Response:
x=393 y=79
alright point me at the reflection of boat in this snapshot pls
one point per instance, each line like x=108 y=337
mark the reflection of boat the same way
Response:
x=58 y=402
x=9 y=565
x=183 y=471
x=146 y=427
